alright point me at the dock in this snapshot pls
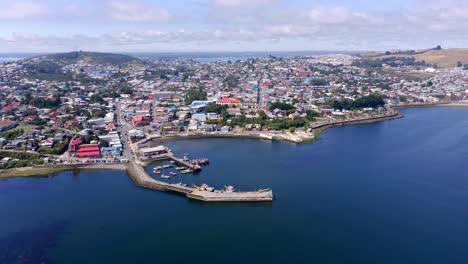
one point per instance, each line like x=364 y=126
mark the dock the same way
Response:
x=141 y=178
x=183 y=162
x=171 y=156
x=231 y=196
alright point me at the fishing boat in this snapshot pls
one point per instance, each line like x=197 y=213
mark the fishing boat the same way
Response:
x=186 y=171
x=229 y=188
x=165 y=176
x=180 y=168
x=158 y=167
x=264 y=190
x=173 y=174
x=156 y=171
x=172 y=162
x=206 y=188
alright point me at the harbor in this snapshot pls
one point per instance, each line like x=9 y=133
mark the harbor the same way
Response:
x=142 y=179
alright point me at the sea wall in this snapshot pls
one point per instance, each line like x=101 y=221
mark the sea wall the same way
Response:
x=321 y=127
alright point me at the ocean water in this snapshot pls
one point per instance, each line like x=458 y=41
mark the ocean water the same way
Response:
x=209 y=57
x=204 y=57
x=388 y=192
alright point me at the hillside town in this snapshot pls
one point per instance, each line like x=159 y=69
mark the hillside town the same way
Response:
x=56 y=110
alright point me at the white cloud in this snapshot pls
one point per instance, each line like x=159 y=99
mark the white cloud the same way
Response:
x=448 y=15
x=137 y=12
x=243 y=3
x=335 y=15
x=23 y=10
x=252 y=23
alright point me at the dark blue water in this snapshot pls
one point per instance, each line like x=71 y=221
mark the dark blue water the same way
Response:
x=389 y=192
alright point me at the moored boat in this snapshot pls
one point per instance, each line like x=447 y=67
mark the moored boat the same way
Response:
x=165 y=176
x=173 y=174
x=229 y=188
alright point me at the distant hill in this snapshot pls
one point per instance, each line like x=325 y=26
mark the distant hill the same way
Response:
x=110 y=59
x=445 y=58
x=51 y=67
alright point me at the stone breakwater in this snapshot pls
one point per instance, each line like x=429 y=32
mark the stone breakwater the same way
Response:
x=141 y=178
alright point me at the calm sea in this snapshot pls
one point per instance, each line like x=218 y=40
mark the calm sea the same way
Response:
x=204 y=57
x=389 y=192
x=208 y=57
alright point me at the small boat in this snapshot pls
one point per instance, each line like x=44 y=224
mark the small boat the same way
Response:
x=172 y=162
x=186 y=171
x=173 y=174
x=165 y=176
x=180 y=168
x=158 y=167
x=156 y=172
x=264 y=190
x=229 y=188
x=204 y=187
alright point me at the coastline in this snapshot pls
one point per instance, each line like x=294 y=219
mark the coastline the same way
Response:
x=317 y=129
x=302 y=138
x=37 y=171
x=443 y=104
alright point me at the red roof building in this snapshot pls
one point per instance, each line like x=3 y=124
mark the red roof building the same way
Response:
x=7 y=108
x=74 y=144
x=140 y=120
x=88 y=151
x=228 y=101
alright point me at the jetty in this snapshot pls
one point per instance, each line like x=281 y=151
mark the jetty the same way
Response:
x=141 y=178
x=183 y=162
x=171 y=156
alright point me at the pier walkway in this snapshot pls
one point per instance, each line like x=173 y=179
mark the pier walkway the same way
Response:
x=141 y=178
x=171 y=156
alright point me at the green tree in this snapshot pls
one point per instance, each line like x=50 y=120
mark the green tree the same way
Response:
x=215 y=108
x=193 y=95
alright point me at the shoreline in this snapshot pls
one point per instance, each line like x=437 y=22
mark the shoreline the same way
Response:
x=38 y=171
x=304 y=138
x=443 y=104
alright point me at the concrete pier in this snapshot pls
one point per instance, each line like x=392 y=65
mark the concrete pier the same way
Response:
x=141 y=178
x=231 y=196
x=171 y=156
x=183 y=162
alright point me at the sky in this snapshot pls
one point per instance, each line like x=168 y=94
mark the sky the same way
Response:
x=231 y=25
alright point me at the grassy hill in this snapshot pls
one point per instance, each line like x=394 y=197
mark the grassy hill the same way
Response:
x=93 y=57
x=50 y=67
x=445 y=58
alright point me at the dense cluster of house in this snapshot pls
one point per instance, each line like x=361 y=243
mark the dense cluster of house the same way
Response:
x=87 y=114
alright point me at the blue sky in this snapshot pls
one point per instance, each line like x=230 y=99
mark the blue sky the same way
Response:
x=230 y=25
